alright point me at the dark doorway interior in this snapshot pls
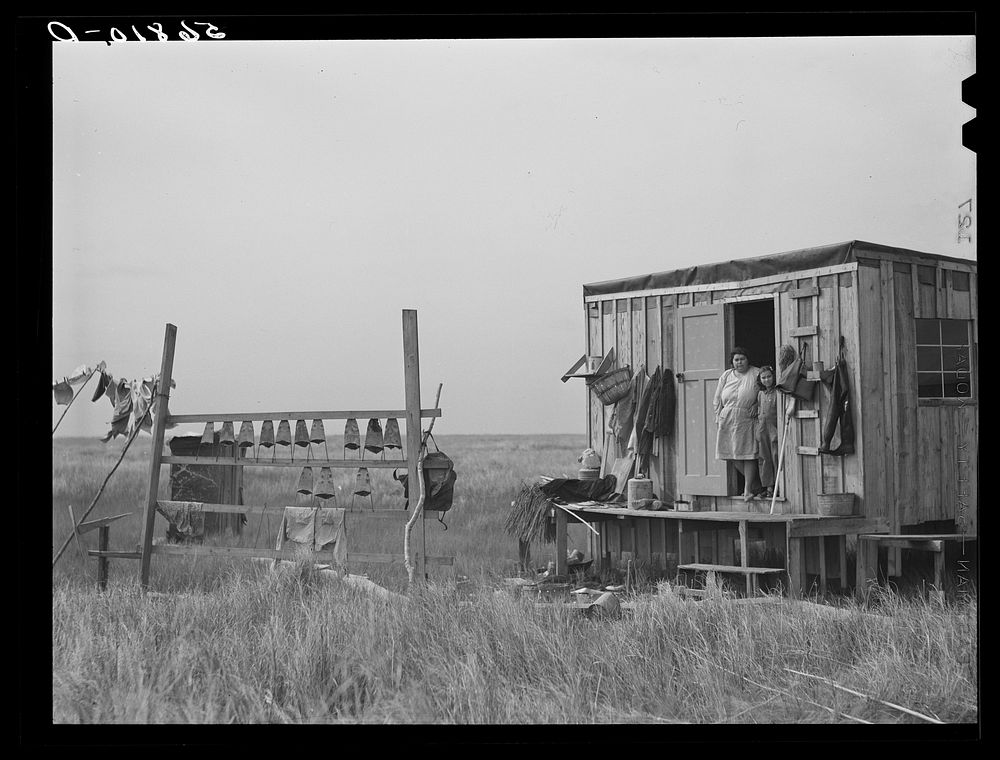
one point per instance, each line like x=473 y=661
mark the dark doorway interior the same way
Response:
x=752 y=327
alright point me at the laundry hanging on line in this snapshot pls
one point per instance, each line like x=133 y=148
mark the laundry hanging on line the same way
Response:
x=131 y=401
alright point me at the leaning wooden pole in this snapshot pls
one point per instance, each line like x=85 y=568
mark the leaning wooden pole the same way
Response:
x=162 y=395
x=411 y=381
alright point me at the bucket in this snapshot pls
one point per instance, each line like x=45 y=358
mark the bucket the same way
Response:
x=590 y=473
x=835 y=504
x=640 y=492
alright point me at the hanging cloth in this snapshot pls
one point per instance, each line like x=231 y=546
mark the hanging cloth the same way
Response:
x=352 y=436
x=305 y=485
x=325 y=488
x=267 y=434
x=246 y=437
x=284 y=435
x=373 y=436
x=392 y=438
x=838 y=428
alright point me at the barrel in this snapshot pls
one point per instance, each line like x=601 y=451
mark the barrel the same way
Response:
x=640 y=492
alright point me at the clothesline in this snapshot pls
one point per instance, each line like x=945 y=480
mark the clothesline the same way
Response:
x=130 y=399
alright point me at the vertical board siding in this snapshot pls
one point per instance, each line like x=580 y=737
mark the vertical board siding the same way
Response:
x=623 y=329
x=595 y=347
x=669 y=454
x=966 y=497
x=906 y=433
x=870 y=395
x=638 y=318
x=933 y=450
x=831 y=469
x=792 y=466
x=847 y=299
x=651 y=306
x=609 y=340
x=889 y=376
x=959 y=301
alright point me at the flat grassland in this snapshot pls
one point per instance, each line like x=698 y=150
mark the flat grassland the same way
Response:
x=231 y=641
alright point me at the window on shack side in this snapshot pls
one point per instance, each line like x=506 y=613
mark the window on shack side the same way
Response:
x=944 y=360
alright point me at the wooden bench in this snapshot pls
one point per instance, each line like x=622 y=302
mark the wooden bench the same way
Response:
x=750 y=572
x=928 y=542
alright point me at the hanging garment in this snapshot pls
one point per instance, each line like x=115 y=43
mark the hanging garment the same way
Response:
x=644 y=436
x=352 y=436
x=663 y=422
x=102 y=385
x=838 y=428
x=330 y=529
x=284 y=435
x=373 y=436
x=208 y=437
x=392 y=438
x=325 y=488
x=317 y=434
x=267 y=434
x=246 y=436
x=63 y=389
x=641 y=406
x=63 y=392
x=298 y=525
x=121 y=399
x=301 y=433
x=186 y=518
x=362 y=482
x=226 y=435
x=314 y=529
x=305 y=481
x=133 y=404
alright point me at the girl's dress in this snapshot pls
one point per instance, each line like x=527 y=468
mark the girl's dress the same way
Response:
x=767 y=435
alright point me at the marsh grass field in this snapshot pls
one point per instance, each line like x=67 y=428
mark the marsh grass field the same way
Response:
x=232 y=641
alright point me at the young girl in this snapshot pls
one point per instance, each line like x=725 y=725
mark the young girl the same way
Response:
x=767 y=430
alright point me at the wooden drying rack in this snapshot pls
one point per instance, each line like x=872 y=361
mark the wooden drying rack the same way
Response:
x=412 y=414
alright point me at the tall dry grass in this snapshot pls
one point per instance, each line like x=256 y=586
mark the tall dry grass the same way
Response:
x=237 y=642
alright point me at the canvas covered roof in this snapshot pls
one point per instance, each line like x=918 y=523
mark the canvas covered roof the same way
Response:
x=739 y=270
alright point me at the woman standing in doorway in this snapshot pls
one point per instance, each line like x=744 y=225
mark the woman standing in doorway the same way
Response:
x=735 y=413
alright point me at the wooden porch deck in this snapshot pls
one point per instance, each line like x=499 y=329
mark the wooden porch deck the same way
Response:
x=798 y=528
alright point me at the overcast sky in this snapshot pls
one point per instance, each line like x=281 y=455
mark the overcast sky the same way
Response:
x=282 y=202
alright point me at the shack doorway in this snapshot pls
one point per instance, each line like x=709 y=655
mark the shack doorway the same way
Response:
x=751 y=326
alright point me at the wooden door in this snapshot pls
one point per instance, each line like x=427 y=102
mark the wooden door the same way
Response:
x=701 y=360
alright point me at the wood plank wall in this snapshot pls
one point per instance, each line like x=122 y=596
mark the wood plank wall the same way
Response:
x=913 y=462
x=928 y=468
x=641 y=330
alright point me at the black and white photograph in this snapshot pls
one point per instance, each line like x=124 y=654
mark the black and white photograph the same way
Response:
x=574 y=371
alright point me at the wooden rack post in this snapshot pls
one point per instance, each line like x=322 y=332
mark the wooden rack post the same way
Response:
x=159 y=427
x=411 y=383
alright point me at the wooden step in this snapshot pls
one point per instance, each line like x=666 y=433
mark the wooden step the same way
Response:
x=730 y=568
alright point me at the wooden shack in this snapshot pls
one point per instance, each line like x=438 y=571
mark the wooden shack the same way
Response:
x=910 y=332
